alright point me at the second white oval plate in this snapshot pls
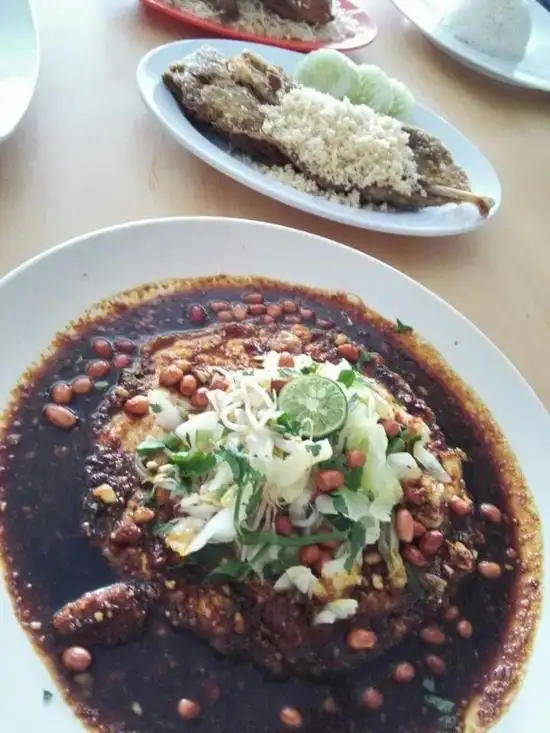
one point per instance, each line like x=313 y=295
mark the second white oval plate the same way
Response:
x=429 y=222
x=532 y=72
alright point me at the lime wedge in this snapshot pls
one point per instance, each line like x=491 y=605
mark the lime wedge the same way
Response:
x=318 y=404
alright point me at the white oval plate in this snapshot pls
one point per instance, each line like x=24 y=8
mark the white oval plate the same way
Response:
x=429 y=222
x=76 y=274
x=532 y=72
x=19 y=61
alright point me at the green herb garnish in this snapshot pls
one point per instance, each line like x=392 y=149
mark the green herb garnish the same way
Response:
x=428 y=683
x=172 y=442
x=347 y=377
x=365 y=357
x=441 y=704
x=448 y=723
x=234 y=570
x=311 y=369
x=47 y=697
x=339 y=502
x=259 y=538
x=150 y=446
x=413 y=581
x=155 y=407
x=314 y=449
x=357 y=538
x=401 y=327
x=287 y=426
x=194 y=463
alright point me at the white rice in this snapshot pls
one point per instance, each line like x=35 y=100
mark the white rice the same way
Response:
x=499 y=28
x=257 y=19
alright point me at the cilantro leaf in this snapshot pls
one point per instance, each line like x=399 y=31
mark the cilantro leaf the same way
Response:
x=413 y=581
x=287 y=426
x=448 y=723
x=150 y=446
x=428 y=683
x=234 y=570
x=240 y=467
x=259 y=538
x=347 y=377
x=365 y=357
x=172 y=442
x=314 y=449
x=311 y=369
x=442 y=705
x=401 y=327
x=357 y=539
x=194 y=463
x=155 y=407
x=339 y=502
x=352 y=478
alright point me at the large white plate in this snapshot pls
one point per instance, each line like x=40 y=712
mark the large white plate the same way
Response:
x=434 y=221
x=19 y=60
x=69 y=278
x=533 y=71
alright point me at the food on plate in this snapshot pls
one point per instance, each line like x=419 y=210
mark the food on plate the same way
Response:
x=499 y=28
x=304 y=20
x=331 y=72
x=328 y=71
x=343 y=149
x=280 y=473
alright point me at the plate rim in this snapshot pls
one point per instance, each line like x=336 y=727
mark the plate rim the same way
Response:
x=271 y=188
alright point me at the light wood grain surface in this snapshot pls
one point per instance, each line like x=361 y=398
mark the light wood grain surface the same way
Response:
x=88 y=155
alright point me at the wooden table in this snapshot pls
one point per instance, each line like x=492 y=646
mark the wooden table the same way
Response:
x=88 y=155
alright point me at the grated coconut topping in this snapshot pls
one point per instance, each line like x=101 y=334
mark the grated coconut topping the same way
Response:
x=348 y=145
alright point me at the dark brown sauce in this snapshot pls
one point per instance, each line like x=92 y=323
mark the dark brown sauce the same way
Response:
x=49 y=562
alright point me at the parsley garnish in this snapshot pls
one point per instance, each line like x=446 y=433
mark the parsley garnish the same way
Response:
x=287 y=426
x=339 y=502
x=448 y=719
x=347 y=377
x=194 y=463
x=443 y=706
x=153 y=445
x=357 y=538
x=413 y=581
x=428 y=683
x=155 y=407
x=352 y=476
x=260 y=538
x=311 y=369
x=401 y=327
x=365 y=357
x=402 y=442
x=243 y=474
x=150 y=446
x=234 y=570
x=47 y=697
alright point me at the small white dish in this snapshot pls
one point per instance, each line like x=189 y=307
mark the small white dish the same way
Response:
x=429 y=222
x=532 y=72
x=19 y=62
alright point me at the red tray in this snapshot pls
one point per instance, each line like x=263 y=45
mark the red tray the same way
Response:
x=365 y=34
